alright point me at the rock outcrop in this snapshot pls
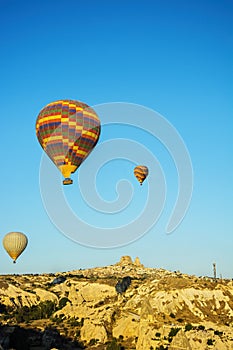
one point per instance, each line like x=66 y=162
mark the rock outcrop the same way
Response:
x=125 y=260
x=126 y=327
x=137 y=262
x=95 y=331
x=180 y=341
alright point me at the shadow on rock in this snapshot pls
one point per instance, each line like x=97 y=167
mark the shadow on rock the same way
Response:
x=18 y=338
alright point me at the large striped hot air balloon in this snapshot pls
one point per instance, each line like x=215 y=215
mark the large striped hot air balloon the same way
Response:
x=67 y=131
x=15 y=243
x=141 y=172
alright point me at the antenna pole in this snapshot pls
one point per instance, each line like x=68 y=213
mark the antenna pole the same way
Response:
x=214 y=268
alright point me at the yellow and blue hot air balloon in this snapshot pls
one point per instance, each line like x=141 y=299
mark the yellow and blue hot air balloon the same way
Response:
x=67 y=131
x=141 y=173
x=14 y=244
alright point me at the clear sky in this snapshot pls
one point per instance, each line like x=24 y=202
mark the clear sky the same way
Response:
x=171 y=56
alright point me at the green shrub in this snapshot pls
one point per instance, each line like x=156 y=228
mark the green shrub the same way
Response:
x=48 y=307
x=113 y=345
x=173 y=332
x=93 y=341
x=188 y=327
x=62 y=302
x=35 y=312
x=210 y=342
x=73 y=322
x=201 y=327
x=3 y=309
x=56 y=320
x=218 y=333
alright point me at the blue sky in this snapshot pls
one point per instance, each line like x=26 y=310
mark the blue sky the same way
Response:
x=174 y=57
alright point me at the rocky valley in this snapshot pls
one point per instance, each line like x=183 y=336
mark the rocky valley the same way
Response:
x=83 y=309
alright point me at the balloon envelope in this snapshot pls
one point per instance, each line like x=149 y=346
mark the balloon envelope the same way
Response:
x=67 y=130
x=141 y=173
x=15 y=243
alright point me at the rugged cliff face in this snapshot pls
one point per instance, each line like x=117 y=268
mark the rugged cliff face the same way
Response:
x=159 y=310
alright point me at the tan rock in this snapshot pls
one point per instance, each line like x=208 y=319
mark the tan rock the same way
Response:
x=180 y=341
x=127 y=327
x=137 y=262
x=77 y=311
x=146 y=331
x=220 y=345
x=147 y=313
x=74 y=296
x=13 y=295
x=94 y=292
x=45 y=295
x=91 y=330
x=125 y=260
x=145 y=335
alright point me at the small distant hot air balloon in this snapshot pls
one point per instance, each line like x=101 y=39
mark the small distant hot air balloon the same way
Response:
x=141 y=172
x=67 y=131
x=15 y=243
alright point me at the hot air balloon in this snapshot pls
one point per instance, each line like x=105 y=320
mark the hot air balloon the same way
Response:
x=67 y=130
x=141 y=173
x=15 y=243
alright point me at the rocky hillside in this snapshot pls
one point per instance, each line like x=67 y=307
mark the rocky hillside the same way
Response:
x=83 y=310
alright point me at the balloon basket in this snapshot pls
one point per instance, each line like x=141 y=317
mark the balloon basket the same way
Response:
x=67 y=181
